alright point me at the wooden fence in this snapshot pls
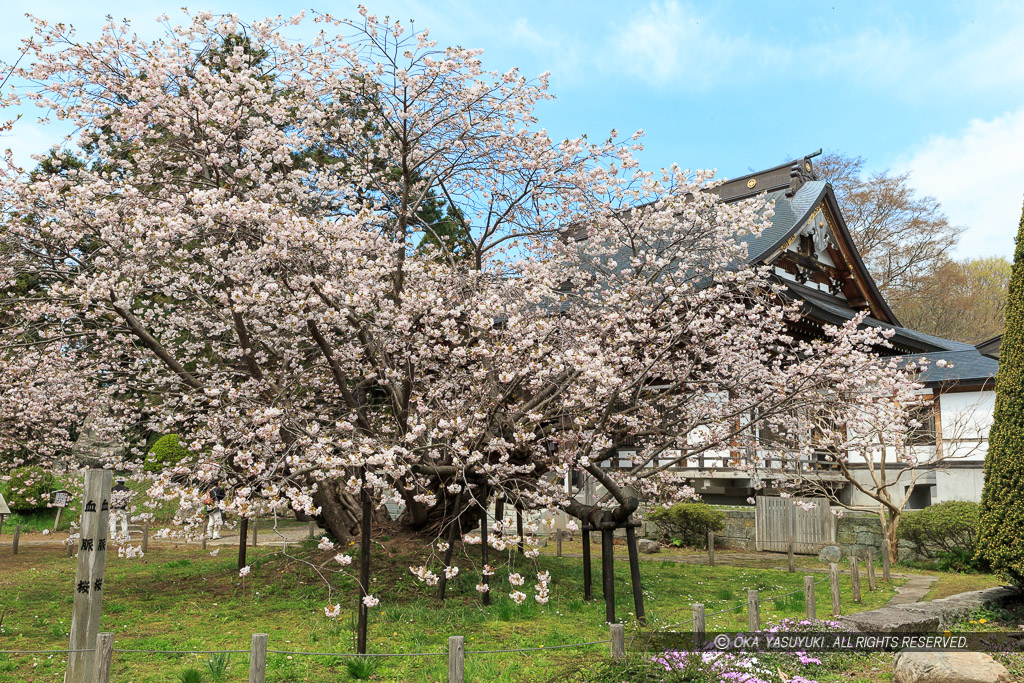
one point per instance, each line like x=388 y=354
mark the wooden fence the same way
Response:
x=777 y=521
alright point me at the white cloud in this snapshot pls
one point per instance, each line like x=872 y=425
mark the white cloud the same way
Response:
x=978 y=176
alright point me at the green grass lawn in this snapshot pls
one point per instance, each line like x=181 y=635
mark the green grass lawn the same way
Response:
x=183 y=598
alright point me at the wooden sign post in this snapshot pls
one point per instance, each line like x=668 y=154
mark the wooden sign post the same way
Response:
x=61 y=499
x=4 y=512
x=92 y=556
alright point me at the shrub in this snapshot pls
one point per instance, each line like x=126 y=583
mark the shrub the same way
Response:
x=165 y=452
x=941 y=528
x=29 y=489
x=688 y=522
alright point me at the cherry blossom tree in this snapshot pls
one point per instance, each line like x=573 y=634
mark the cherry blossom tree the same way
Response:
x=240 y=255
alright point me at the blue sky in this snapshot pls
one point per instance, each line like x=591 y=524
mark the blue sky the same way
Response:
x=932 y=88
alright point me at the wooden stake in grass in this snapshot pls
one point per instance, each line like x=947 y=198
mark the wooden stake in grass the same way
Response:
x=456 y=659
x=699 y=628
x=17 y=537
x=618 y=639
x=791 y=558
x=810 y=606
x=258 y=658
x=711 y=548
x=103 y=657
x=833 y=581
x=871 y=570
x=145 y=538
x=753 y=611
x=885 y=564
x=88 y=586
x=855 y=578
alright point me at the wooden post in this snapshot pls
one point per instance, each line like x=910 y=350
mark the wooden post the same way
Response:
x=103 y=657
x=203 y=541
x=810 y=603
x=618 y=638
x=312 y=529
x=698 y=625
x=608 y=574
x=499 y=512
x=753 y=611
x=17 y=537
x=255 y=532
x=791 y=558
x=588 y=591
x=711 y=548
x=558 y=542
x=871 y=570
x=855 y=578
x=885 y=563
x=364 y=567
x=56 y=520
x=456 y=659
x=833 y=581
x=243 y=541
x=71 y=550
x=442 y=582
x=519 y=527
x=145 y=537
x=258 y=658
x=634 y=572
x=88 y=586
x=485 y=597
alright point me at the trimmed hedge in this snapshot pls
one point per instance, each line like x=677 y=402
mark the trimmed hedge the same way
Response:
x=688 y=523
x=165 y=452
x=29 y=489
x=1000 y=540
x=941 y=528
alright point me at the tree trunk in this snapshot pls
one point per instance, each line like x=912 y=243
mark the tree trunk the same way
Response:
x=340 y=511
x=890 y=523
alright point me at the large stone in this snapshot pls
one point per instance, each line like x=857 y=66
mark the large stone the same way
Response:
x=646 y=545
x=830 y=553
x=891 y=620
x=948 y=667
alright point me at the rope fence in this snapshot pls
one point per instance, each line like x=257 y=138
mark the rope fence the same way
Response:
x=456 y=644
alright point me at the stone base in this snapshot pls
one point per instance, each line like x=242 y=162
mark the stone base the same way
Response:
x=948 y=667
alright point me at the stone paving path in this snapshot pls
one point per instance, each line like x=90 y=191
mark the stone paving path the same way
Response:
x=913 y=590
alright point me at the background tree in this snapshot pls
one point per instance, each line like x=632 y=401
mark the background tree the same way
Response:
x=962 y=300
x=1002 y=499
x=901 y=235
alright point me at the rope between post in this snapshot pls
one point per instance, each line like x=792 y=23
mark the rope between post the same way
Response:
x=180 y=652
x=354 y=654
x=40 y=652
x=531 y=649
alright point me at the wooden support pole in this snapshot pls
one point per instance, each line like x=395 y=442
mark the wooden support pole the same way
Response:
x=499 y=512
x=588 y=590
x=255 y=532
x=88 y=587
x=312 y=529
x=753 y=611
x=364 y=567
x=519 y=527
x=855 y=578
x=456 y=659
x=790 y=557
x=145 y=537
x=453 y=529
x=871 y=570
x=634 y=573
x=618 y=638
x=558 y=542
x=103 y=657
x=17 y=537
x=699 y=629
x=833 y=582
x=608 y=575
x=885 y=563
x=485 y=597
x=243 y=541
x=71 y=549
x=258 y=658
x=202 y=541
x=711 y=548
x=810 y=602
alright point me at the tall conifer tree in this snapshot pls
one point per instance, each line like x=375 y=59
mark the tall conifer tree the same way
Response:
x=1001 y=540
